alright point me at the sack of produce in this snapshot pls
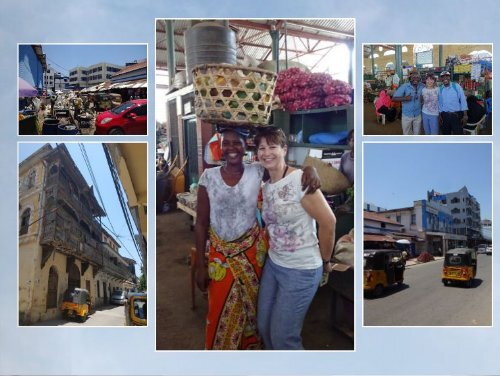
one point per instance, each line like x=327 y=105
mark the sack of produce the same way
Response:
x=299 y=90
x=332 y=180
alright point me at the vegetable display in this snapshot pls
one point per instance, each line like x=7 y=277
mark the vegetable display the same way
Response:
x=299 y=90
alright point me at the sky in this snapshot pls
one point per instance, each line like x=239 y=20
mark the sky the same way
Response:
x=64 y=57
x=114 y=222
x=131 y=351
x=396 y=174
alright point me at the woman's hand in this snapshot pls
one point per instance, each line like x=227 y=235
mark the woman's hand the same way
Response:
x=310 y=180
x=328 y=267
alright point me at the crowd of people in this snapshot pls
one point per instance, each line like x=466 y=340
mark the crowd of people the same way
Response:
x=431 y=109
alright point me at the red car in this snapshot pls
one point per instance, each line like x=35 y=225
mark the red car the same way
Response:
x=128 y=118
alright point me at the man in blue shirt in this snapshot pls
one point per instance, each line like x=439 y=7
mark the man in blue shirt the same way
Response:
x=409 y=96
x=452 y=105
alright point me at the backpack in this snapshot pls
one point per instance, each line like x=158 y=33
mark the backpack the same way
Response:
x=454 y=86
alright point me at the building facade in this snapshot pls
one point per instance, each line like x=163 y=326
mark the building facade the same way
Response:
x=82 y=77
x=61 y=243
x=55 y=80
x=429 y=225
x=32 y=65
x=465 y=210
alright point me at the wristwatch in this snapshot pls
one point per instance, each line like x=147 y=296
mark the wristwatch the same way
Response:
x=326 y=262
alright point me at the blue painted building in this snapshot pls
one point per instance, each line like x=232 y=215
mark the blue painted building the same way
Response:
x=32 y=65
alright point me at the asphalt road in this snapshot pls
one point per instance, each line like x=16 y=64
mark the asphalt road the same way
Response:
x=423 y=300
x=104 y=316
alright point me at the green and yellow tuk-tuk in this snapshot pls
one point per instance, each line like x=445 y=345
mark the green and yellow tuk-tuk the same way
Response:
x=382 y=268
x=76 y=304
x=136 y=309
x=460 y=265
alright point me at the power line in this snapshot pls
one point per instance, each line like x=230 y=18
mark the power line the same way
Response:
x=60 y=66
x=94 y=181
x=126 y=213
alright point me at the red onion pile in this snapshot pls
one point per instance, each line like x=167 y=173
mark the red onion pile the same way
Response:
x=298 y=90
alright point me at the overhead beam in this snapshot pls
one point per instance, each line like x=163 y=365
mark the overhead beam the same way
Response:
x=290 y=32
x=320 y=28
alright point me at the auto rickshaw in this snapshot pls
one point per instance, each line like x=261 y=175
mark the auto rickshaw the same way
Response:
x=76 y=304
x=136 y=309
x=460 y=265
x=382 y=268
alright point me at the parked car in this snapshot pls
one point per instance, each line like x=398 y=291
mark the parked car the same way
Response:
x=489 y=250
x=118 y=297
x=481 y=248
x=128 y=118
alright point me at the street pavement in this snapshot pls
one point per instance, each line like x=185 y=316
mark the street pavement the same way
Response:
x=109 y=315
x=423 y=300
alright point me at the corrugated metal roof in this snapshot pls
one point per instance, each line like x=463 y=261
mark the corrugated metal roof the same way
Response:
x=379 y=218
x=304 y=37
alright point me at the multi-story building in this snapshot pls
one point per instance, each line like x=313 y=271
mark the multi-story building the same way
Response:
x=429 y=224
x=82 y=77
x=60 y=237
x=465 y=210
x=55 y=80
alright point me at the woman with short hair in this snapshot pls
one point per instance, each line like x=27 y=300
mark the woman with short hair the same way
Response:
x=298 y=255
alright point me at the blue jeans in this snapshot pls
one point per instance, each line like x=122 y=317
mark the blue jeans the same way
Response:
x=431 y=123
x=284 y=297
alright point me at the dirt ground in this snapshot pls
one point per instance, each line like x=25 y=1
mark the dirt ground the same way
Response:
x=178 y=327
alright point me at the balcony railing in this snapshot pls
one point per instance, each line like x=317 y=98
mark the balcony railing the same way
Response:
x=61 y=192
x=63 y=232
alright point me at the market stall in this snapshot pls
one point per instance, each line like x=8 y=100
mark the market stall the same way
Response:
x=470 y=67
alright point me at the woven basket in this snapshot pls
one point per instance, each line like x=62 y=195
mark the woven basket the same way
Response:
x=233 y=95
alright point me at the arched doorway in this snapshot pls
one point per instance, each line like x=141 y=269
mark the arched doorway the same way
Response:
x=73 y=277
x=52 y=288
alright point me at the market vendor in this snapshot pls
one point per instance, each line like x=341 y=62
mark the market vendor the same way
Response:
x=409 y=96
x=347 y=159
x=475 y=111
x=452 y=106
x=383 y=105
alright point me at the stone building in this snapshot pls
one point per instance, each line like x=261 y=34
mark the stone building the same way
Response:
x=60 y=237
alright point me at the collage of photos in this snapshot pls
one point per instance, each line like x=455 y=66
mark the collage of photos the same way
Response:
x=249 y=113
x=254 y=192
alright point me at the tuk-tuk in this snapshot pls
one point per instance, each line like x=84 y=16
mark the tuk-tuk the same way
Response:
x=76 y=304
x=136 y=309
x=460 y=265
x=382 y=268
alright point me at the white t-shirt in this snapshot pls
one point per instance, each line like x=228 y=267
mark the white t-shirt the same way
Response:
x=292 y=231
x=430 y=96
x=232 y=209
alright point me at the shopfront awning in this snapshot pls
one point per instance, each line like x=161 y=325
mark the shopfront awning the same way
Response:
x=378 y=238
x=136 y=84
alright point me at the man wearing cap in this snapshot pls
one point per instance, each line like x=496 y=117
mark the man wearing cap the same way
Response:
x=409 y=95
x=452 y=105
